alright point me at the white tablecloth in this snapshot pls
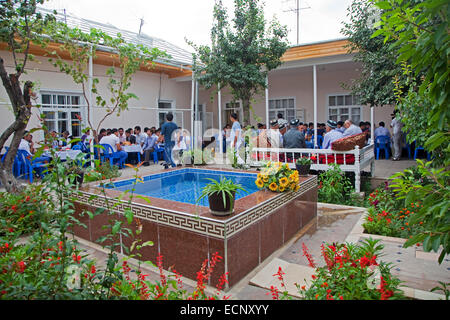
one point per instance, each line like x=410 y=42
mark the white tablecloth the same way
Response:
x=64 y=154
x=132 y=148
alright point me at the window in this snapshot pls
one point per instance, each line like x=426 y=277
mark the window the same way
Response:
x=232 y=107
x=285 y=106
x=62 y=112
x=166 y=106
x=343 y=107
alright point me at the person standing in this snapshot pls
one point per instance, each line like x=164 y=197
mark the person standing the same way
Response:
x=166 y=135
x=396 y=126
x=236 y=136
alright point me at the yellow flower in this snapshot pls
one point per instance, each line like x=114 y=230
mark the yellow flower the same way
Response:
x=273 y=186
x=265 y=178
x=297 y=187
x=259 y=183
x=293 y=185
x=282 y=189
x=284 y=182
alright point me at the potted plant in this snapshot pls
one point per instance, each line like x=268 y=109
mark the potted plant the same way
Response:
x=221 y=196
x=75 y=173
x=303 y=165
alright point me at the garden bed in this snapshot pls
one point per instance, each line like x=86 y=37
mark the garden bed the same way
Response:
x=419 y=270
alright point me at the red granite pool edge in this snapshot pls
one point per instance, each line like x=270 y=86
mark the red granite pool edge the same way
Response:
x=244 y=240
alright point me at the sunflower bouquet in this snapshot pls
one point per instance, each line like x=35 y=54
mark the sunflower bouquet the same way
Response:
x=278 y=177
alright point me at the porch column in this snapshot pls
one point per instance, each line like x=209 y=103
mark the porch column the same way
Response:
x=267 y=103
x=372 y=126
x=315 y=104
x=219 y=102
x=90 y=84
x=192 y=110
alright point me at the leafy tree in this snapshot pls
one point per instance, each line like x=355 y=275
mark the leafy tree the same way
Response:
x=242 y=51
x=82 y=46
x=20 y=25
x=420 y=36
x=375 y=87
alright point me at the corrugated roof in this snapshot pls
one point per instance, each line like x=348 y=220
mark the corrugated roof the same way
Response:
x=178 y=55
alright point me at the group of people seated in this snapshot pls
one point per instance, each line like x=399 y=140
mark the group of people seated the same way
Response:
x=296 y=134
x=149 y=140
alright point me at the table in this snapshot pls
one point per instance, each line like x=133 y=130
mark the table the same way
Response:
x=64 y=154
x=133 y=148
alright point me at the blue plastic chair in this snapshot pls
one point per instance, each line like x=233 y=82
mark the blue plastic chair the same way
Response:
x=421 y=149
x=319 y=141
x=161 y=154
x=29 y=166
x=16 y=163
x=78 y=146
x=382 y=143
x=108 y=153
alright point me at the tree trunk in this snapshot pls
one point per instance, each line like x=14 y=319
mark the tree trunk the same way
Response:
x=21 y=104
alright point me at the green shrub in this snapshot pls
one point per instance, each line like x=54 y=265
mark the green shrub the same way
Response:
x=334 y=186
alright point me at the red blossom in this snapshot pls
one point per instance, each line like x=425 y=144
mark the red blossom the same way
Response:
x=308 y=256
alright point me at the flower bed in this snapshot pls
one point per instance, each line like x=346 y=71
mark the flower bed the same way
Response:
x=388 y=216
x=351 y=272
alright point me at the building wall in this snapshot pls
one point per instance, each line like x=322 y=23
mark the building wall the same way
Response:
x=288 y=83
x=146 y=85
x=298 y=84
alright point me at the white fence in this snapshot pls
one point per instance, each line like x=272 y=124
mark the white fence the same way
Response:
x=353 y=161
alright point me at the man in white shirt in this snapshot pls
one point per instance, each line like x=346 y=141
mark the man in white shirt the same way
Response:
x=113 y=140
x=396 y=126
x=140 y=136
x=26 y=143
x=122 y=136
x=351 y=129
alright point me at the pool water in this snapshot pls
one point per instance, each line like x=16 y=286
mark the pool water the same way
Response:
x=185 y=185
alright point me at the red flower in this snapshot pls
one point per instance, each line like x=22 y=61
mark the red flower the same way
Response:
x=308 y=256
x=370 y=219
x=14 y=208
x=21 y=266
x=76 y=258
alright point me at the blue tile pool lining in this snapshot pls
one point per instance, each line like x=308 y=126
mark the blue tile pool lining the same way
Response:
x=188 y=192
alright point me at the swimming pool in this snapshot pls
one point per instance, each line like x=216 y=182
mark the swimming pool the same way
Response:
x=186 y=185
x=185 y=234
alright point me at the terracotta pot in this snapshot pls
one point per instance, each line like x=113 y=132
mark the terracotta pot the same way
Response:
x=216 y=204
x=303 y=170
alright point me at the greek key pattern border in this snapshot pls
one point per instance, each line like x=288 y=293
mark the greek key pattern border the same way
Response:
x=218 y=229
x=245 y=220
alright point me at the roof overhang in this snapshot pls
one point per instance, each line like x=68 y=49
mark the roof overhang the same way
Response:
x=107 y=58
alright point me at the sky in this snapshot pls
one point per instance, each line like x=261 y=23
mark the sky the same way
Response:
x=175 y=20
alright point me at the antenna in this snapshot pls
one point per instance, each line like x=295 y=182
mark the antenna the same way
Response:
x=142 y=23
x=297 y=11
